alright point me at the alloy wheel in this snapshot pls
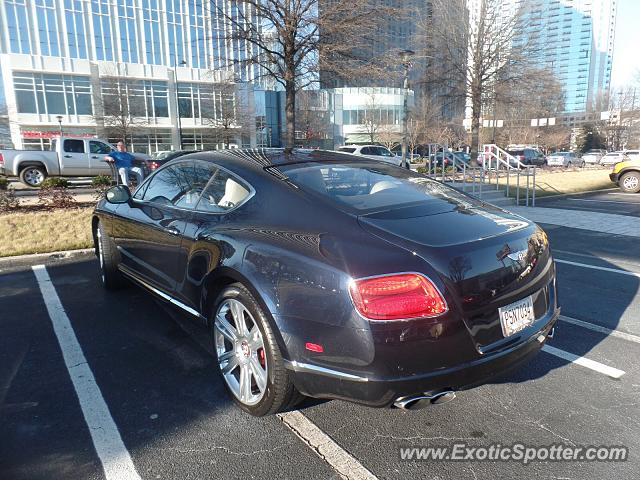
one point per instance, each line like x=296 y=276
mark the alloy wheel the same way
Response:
x=630 y=183
x=241 y=352
x=33 y=176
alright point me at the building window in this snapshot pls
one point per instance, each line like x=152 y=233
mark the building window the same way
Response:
x=76 y=38
x=151 y=15
x=17 y=26
x=52 y=94
x=128 y=37
x=134 y=98
x=102 y=29
x=47 y=27
x=175 y=15
x=197 y=17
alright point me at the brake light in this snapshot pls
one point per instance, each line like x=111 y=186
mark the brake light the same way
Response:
x=1 y=160
x=153 y=165
x=395 y=297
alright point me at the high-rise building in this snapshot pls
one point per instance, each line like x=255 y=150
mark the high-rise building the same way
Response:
x=575 y=40
x=64 y=58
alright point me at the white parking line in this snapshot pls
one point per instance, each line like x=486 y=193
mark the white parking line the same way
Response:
x=115 y=459
x=585 y=362
x=600 y=329
x=324 y=446
x=595 y=267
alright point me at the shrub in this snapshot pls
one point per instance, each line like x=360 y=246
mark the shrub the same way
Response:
x=422 y=170
x=4 y=183
x=54 y=192
x=8 y=200
x=101 y=183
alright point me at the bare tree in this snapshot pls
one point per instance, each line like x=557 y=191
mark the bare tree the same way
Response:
x=291 y=40
x=313 y=122
x=488 y=38
x=119 y=108
x=389 y=136
x=371 y=121
x=222 y=110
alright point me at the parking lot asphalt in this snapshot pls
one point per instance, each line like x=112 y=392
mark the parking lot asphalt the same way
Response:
x=156 y=374
x=610 y=201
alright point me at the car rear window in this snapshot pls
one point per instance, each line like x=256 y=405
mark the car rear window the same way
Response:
x=516 y=152
x=364 y=188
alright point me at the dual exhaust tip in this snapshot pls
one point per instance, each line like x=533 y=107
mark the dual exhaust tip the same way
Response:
x=424 y=400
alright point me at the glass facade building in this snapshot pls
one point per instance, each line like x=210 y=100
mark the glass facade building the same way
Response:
x=575 y=40
x=156 y=59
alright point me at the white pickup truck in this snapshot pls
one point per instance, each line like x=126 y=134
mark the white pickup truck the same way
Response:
x=68 y=157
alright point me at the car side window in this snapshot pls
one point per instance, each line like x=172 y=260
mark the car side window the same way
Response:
x=224 y=192
x=73 y=146
x=173 y=186
x=384 y=152
x=367 y=151
x=99 y=148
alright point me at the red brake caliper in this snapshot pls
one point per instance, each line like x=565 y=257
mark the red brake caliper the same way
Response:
x=261 y=357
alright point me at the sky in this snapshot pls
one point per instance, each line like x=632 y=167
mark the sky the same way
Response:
x=626 y=58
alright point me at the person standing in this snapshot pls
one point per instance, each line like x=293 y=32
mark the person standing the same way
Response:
x=124 y=164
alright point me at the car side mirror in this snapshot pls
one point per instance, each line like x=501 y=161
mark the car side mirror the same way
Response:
x=118 y=194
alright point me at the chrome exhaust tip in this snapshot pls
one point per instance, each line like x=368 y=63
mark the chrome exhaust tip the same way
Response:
x=423 y=400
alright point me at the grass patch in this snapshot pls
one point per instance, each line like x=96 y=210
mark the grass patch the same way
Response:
x=564 y=182
x=45 y=231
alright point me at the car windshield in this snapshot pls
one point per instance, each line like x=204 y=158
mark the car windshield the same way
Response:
x=364 y=188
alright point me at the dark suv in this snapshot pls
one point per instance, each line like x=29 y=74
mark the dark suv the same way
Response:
x=528 y=156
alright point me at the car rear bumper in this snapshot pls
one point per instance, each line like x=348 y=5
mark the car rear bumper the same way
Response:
x=321 y=382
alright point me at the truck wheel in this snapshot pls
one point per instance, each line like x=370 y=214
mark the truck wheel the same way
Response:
x=630 y=182
x=33 y=176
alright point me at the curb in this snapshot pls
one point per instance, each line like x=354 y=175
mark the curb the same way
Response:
x=53 y=255
x=575 y=193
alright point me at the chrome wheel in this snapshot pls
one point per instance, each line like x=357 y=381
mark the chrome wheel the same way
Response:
x=33 y=176
x=241 y=352
x=630 y=182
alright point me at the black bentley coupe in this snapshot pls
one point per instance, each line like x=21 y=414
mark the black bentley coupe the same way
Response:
x=333 y=276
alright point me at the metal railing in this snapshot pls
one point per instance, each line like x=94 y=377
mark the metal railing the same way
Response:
x=494 y=166
x=500 y=164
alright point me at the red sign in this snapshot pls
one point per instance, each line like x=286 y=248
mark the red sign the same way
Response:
x=54 y=134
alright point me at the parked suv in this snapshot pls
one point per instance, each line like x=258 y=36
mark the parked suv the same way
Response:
x=614 y=157
x=528 y=156
x=374 y=152
x=594 y=156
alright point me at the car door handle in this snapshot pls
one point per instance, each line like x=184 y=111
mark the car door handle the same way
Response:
x=68 y=156
x=93 y=156
x=172 y=230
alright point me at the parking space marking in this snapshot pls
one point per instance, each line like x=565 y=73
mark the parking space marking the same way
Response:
x=325 y=447
x=595 y=200
x=584 y=362
x=115 y=458
x=595 y=267
x=599 y=329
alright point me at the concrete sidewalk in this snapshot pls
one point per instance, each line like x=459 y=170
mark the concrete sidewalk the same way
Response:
x=594 y=221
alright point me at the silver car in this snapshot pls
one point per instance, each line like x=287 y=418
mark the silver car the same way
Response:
x=613 y=158
x=593 y=156
x=564 y=159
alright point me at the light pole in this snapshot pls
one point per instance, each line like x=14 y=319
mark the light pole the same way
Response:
x=175 y=86
x=405 y=55
x=59 y=118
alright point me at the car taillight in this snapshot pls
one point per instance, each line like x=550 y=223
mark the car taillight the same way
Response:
x=153 y=165
x=395 y=297
x=1 y=160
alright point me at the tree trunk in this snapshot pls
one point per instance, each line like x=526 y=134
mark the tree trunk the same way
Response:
x=476 y=110
x=290 y=113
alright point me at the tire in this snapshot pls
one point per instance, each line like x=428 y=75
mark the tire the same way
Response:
x=108 y=258
x=630 y=182
x=33 y=175
x=569 y=165
x=249 y=359
x=582 y=164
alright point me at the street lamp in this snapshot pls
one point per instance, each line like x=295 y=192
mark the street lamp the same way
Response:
x=405 y=56
x=175 y=83
x=59 y=118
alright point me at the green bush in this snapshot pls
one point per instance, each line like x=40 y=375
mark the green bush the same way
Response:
x=102 y=181
x=55 y=182
x=4 y=183
x=422 y=170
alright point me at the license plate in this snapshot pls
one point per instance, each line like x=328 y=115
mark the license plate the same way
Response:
x=516 y=316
